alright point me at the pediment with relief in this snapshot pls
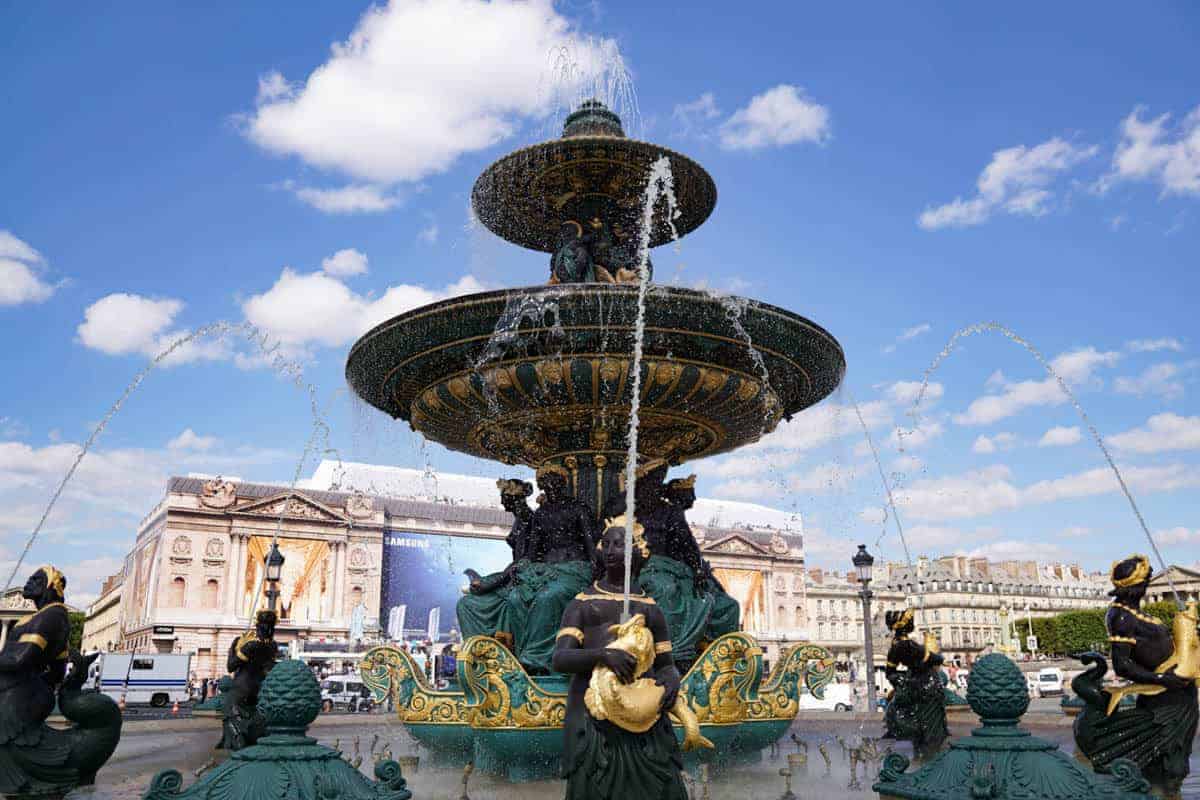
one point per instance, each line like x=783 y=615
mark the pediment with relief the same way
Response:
x=734 y=544
x=291 y=505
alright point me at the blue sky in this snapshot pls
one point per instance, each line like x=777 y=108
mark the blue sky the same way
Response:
x=892 y=174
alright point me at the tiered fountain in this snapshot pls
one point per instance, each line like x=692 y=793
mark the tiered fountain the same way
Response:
x=544 y=375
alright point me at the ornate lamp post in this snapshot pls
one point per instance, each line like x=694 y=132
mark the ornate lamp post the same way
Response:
x=863 y=561
x=273 y=566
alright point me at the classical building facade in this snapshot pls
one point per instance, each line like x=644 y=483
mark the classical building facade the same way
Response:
x=834 y=617
x=193 y=579
x=1185 y=580
x=970 y=602
x=102 y=627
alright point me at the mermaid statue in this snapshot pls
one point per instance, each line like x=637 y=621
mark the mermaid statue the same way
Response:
x=917 y=710
x=552 y=566
x=680 y=580
x=618 y=737
x=1163 y=666
x=36 y=759
x=251 y=657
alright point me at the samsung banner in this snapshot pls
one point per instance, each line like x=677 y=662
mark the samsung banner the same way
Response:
x=423 y=579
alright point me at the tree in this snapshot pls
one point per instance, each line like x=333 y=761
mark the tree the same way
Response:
x=75 y=639
x=1164 y=610
x=1078 y=631
x=1043 y=629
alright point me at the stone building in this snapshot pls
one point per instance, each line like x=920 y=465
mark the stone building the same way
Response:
x=1185 y=579
x=193 y=578
x=834 y=617
x=969 y=601
x=102 y=627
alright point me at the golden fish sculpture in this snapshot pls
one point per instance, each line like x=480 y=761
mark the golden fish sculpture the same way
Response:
x=635 y=706
x=1185 y=657
x=932 y=645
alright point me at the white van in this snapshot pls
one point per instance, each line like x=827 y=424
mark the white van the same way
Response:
x=345 y=691
x=155 y=678
x=837 y=698
x=1050 y=681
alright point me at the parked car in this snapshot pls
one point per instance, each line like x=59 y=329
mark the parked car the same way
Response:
x=345 y=691
x=155 y=678
x=1050 y=681
x=837 y=698
x=1031 y=684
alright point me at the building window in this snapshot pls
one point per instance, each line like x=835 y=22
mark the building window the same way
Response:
x=212 y=591
x=178 y=593
x=821 y=630
x=799 y=617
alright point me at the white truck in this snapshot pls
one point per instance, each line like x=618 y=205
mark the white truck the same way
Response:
x=837 y=698
x=155 y=678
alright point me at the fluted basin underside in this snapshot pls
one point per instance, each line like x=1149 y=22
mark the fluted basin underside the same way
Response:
x=532 y=374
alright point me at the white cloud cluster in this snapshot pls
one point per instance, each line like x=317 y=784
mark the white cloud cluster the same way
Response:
x=1150 y=151
x=1157 y=379
x=905 y=393
x=1059 y=436
x=418 y=84
x=345 y=263
x=692 y=118
x=1177 y=535
x=1013 y=182
x=190 y=440
x=316 y=308
x=20 y=268
x=125 y=324
x=1162 y=433
x=991 y=490
x=1077 y=367
x=1154 y=345
x=822 y=478
x=780 y=116
x=986 y=445
x=908 y=334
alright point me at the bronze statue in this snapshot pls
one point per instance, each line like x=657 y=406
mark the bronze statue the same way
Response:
x=552 y=551
x=572 y=259
x=1163 y=666
x=514 y=496
x=618 y=738
x=251 y=657
x=917 y=711
x=676 y=575
x=36 y=759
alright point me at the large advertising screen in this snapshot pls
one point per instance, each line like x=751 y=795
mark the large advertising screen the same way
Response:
x=423 y=579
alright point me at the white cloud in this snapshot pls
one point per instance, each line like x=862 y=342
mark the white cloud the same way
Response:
x=1076 y=532
x=351 y=199
x=991 y=490
x=1013 y=182
x=986 y=445
x=779 y=116
x=1178 y=535
x=905 y=393
x=428 y=234
x=345 y=263
x=1150 y=151
x=1007 y=549
x=1157 y=379
x=418 y=84
x=903 y=439
x=692 y=117
x=190 y=440
x=316 y=308
x=821 y=478
x=908 y=334
x=1060 y=437
x=1160 y=434
x=20 y=265
x=1154 y=345
x=1076 y=367
x=126 y=324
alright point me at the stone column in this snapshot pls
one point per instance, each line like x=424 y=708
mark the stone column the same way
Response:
x=231 y=581
x=339 y=581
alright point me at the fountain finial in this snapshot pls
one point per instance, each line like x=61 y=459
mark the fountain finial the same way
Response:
x=593 y=118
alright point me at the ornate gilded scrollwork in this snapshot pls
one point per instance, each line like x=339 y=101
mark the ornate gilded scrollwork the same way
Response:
x=498 y=693
x=724 y=681
x=390 y=672
x=780 y=697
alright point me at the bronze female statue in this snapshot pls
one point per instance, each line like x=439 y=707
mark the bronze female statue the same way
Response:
x=493 y=606
x=917 y=710
x=1158 y=732
x=251 y=657
x=557 y=544
x=676 y=575
x=613 y=750
x=35 y=758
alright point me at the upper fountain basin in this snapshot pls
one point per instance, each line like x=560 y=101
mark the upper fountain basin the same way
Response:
x=529 y=374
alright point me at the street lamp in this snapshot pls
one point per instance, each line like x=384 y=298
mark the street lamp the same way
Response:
x=273 y=566
x=863 y=561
